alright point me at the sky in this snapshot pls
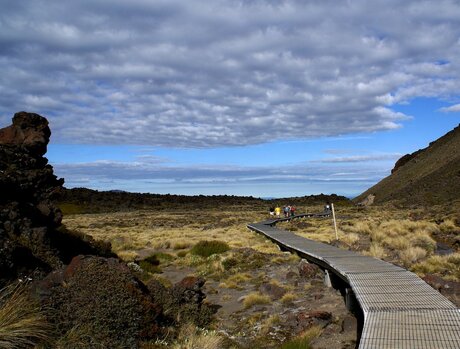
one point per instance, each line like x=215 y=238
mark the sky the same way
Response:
x=259 y=97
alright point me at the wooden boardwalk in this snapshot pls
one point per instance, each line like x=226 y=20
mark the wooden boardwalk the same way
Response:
x=399 y=310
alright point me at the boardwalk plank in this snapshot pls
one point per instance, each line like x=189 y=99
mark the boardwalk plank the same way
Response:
x=400 y=310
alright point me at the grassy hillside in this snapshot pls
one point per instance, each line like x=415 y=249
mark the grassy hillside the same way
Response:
x=428 y=176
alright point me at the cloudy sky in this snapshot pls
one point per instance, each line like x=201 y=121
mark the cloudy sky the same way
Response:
x=264 y=98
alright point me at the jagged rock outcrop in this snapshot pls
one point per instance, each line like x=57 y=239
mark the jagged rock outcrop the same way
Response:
x=92 y=298
x=31 y=241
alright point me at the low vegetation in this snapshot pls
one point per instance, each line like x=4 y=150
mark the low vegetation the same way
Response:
x=208 y=248
x=304 y=340
x=215 y=243
x=22 y=323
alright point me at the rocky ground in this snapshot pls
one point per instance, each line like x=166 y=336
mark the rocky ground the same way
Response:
x=297 y=301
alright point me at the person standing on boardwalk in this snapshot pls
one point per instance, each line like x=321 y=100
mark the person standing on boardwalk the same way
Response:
x=272 y=211
x=277 y=212
x=293 y=208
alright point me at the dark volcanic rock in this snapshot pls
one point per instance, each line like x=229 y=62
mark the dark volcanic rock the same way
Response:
x=183 y=302
x=30 y=240
x=274 y=291
x=308 y=270
x=450 y=289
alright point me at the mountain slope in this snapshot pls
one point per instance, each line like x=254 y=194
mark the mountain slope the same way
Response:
x=427 y=176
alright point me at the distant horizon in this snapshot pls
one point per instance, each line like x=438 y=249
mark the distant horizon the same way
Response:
x=246 y=196
x=253 y=98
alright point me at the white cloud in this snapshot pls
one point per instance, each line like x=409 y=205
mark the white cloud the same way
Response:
x=452 y=109
x=217 y=73
x=360 y=158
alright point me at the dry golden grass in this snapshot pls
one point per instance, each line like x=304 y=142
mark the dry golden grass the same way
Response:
x=288 y=298
x=191 y=337
x=304 y=340
x=22 y=324
x=383 y=232
x=131 y=232
x=255 y=298
x=235 y=280
x=447 y=266
x=376 y=250
x=448 y=226
x=411 y=255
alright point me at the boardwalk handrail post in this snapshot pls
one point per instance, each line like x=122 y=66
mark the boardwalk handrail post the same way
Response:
x=335 y=223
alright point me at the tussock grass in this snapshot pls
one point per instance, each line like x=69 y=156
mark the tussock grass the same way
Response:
x=411 y=255
x=448 y=226
x=191 y=337
x=288 y=298
x=255 y=298
x=208 y=248
x=361 y=227
x=181 y=245
x=376 y=250
x=350 y=238
x=235 y=280
x=22 y=323
x=446 y=266
x=304 y=340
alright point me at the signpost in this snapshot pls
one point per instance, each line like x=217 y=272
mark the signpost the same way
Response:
x=335 y=223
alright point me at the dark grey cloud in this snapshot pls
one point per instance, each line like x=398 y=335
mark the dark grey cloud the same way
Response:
x=218 y=73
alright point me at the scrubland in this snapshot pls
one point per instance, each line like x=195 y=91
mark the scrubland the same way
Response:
x=257 y=287
x=248 y=276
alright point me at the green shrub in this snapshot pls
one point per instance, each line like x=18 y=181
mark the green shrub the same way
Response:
x=208 y=248
x=229 y=263
x=297 y=343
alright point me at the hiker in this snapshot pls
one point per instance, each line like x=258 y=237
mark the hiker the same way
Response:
x=327 y=208
x=272 y=211
x=277 y=212
x=286 y=211
x=293 y=208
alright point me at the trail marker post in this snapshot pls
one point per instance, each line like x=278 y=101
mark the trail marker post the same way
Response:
x=335 y=223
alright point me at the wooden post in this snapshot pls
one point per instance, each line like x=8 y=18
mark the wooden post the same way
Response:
x=335 y=223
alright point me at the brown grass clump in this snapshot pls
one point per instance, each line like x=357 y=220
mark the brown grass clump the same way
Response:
x=411 y=255
x=288 y=298
x=255 y=298
x=446 y=266
x=22 y=323
x=236 y=280
x=191 y=337
x=448 y=226
x=181 y=245
x=304 y=340
x=376 y=250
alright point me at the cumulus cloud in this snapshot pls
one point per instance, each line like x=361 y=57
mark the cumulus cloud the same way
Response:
x=452 y=109
x=217 y=73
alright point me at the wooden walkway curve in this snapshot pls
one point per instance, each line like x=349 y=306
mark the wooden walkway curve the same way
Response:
x=399 y=310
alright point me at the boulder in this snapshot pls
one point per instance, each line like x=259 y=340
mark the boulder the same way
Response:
x=103 y=294
x=308 y=270
x=274 y=291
